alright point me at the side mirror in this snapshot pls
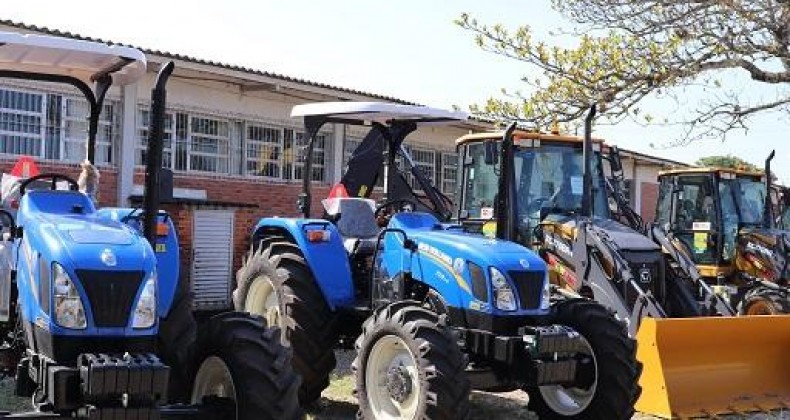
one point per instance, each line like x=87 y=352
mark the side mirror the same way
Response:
x=615 y=163
x=491 y=152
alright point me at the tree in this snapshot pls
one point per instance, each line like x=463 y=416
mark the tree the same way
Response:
x=632 y=50
x=726 y=161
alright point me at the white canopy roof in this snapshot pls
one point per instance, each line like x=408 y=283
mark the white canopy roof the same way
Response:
x=70 y=57
x=380 y=112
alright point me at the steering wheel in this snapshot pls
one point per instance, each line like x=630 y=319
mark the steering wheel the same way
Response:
x=73 y=185
x=390 y=203
x=535 y=206
x=7 y=219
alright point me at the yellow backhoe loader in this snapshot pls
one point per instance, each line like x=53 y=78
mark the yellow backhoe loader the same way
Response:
x=549 y=192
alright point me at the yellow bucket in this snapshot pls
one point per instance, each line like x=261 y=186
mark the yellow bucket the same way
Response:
x=710 y=366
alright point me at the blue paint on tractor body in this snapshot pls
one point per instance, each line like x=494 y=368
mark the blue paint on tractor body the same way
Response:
x=64 y=227
x=440 y=262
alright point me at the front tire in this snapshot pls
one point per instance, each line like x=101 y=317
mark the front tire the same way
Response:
x=408 y=365
x=615 y=387
x=276 y=283
x=239 y=359
x=764 y=301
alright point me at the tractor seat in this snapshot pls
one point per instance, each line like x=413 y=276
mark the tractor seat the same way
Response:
x=356 y=223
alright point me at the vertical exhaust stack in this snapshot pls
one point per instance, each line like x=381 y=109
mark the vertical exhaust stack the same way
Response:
x=587 y=195
x=505 y=204
x=767 y=213
x=153 y=164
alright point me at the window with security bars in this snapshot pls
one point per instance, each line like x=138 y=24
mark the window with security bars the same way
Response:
x=53 y=126
x=191 y=142
x=449 y=172
x=143 y=123
x=293 y=144
x=209 y=145
x=425 y=159
x=263 y=151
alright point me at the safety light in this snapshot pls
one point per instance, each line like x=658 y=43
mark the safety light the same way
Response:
x=318 y=235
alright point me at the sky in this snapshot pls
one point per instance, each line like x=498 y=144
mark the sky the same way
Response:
x=409 y=49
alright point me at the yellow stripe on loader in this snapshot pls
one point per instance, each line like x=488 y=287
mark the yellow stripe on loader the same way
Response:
x=710 y=366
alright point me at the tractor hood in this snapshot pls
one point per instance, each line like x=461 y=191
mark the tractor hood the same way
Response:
x=88 y=242
x=449 y=242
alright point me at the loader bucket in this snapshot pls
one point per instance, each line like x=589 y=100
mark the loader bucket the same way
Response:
x=709 y=366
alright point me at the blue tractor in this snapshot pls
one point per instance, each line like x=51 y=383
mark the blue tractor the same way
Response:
x=432 y=311
x=95 y=320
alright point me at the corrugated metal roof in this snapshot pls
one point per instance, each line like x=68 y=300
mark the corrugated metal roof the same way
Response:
x=226 y=66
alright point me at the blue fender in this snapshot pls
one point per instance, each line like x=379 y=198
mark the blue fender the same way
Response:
x=327 y=260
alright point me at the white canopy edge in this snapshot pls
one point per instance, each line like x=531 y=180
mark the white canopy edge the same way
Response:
x=69 y=57
x=380 y=112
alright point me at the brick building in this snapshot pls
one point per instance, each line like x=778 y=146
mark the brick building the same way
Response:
x=232 y=147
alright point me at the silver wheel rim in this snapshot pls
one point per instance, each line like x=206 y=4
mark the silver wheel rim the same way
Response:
x=213 y=379
x=389 y=354
x=262 y=300
x=571 y=401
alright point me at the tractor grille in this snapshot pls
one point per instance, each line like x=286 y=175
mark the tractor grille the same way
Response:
x=530 y=287
x=111 y=295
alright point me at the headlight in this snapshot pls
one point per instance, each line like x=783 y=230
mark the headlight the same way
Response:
x=69 y=312
x=545 y=301
x=145 y=310
x=504 y=298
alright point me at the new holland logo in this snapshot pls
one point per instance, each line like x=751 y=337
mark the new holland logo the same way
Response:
x=108 y=258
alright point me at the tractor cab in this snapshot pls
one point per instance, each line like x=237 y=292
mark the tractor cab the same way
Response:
x=548 y=181
x=350 y=204
x=708 y=208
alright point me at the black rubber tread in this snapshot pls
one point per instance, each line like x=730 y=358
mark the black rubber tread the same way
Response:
x=680 y=301
x=778 y=302
x=177 y=335
x=441 y=364
x=266 y=384
x=309 y=324
x=617 y=388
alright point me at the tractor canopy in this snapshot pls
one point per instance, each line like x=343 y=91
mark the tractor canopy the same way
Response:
x=375 y=159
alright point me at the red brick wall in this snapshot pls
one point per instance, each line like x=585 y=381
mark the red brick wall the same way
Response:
x=649 y=199
x=270 y=199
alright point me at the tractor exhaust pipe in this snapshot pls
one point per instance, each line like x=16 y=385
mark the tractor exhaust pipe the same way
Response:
x=587 y=195
x=505 y=204
x=767 y=213
x=153 y=164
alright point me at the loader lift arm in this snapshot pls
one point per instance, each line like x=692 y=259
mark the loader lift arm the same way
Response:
x=593 y=246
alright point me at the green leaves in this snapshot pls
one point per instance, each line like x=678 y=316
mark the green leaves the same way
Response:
x=630 y=50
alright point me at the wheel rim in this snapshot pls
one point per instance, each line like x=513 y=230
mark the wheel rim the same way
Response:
x=761 y=307
x=570 y=401
x=213 y=379
x=392 y=380
x=262 y=300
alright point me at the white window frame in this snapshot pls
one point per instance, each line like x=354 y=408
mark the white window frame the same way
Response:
x=448 y=181
x=42 y=115
x=274 y=145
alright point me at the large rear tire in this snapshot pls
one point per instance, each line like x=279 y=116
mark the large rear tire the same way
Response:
x=177 y=336
x=408 y=365
x=238 y=358
x=614 y=389
x=764 y=301
x=276 y=283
